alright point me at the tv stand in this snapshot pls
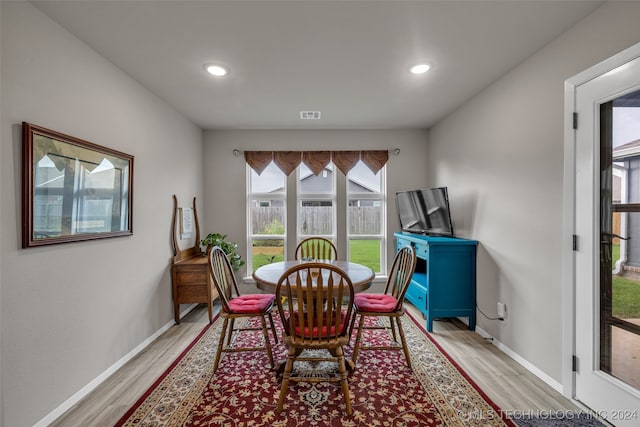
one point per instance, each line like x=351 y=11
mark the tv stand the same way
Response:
x=444 y=283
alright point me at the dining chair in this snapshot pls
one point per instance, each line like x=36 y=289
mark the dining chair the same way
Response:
x=316 y=248
x=388 y=304
x=235 y=306
x=315 y=303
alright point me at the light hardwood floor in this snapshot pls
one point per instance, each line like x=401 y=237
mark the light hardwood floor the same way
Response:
x=508 y=384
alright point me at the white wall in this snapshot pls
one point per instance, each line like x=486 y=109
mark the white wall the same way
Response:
x=71 y=311
x=503 y=154
x=225 y=174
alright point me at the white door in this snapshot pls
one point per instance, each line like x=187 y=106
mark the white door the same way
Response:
x=607 y=252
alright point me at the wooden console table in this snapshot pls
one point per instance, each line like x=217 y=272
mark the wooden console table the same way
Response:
x=191 y=281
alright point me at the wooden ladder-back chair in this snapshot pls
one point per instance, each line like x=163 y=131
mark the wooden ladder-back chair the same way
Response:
x=316 y=248
x=315 y=303
x=238 y=306
x=388 y=304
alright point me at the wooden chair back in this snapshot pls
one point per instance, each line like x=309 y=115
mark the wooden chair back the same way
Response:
x=223 y=277
x=404 y=264
x=316 y=248
x=317 y=307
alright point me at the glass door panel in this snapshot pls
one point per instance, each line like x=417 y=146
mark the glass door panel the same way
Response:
x=620 y=238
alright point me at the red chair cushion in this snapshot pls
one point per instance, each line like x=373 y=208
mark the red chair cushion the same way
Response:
x=251 y=303
x=377 y=303
x=315 y=332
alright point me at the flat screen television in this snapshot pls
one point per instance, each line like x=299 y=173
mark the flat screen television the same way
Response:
x=425 y=211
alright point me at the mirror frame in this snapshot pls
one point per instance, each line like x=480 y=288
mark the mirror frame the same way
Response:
x=29 y=132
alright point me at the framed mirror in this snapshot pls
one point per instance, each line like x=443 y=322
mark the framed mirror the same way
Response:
x=73 y=190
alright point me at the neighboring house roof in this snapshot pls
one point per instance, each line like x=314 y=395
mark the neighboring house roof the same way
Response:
x=352 y=181
x=630 y=149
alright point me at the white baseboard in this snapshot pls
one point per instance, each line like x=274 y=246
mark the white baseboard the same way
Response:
x=522 y=361
x=84 y=391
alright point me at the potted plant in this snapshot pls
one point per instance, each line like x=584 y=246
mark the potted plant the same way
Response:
x=229 y=248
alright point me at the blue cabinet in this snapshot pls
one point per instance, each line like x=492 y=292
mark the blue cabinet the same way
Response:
x=444 y=283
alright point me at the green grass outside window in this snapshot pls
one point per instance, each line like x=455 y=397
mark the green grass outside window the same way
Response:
x=626 y=293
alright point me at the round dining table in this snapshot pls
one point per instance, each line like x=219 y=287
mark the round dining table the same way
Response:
x=267 y=276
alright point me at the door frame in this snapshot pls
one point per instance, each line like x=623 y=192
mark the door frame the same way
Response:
x=569 y=209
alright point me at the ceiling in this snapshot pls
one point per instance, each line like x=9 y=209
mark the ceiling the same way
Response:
x=347 y=59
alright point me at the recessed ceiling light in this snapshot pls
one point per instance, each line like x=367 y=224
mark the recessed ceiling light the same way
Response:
x=216 y=70
x=420 y=68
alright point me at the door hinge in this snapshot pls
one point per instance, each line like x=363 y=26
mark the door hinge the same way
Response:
x=575 y=242
x=575 y=120
x=574 y=363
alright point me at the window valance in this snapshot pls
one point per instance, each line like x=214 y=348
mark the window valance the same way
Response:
x=316 y=161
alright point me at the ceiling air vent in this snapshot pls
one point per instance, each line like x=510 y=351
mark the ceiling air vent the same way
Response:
x=310 y=115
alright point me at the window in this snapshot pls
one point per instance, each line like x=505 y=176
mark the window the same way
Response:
x=359 y=207
x=316 y=203
x=366 y=212
x=267 y=213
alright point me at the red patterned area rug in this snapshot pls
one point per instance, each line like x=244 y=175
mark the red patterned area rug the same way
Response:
x=244 y=390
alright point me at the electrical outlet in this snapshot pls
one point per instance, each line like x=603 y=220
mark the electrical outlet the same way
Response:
x=502 y=310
